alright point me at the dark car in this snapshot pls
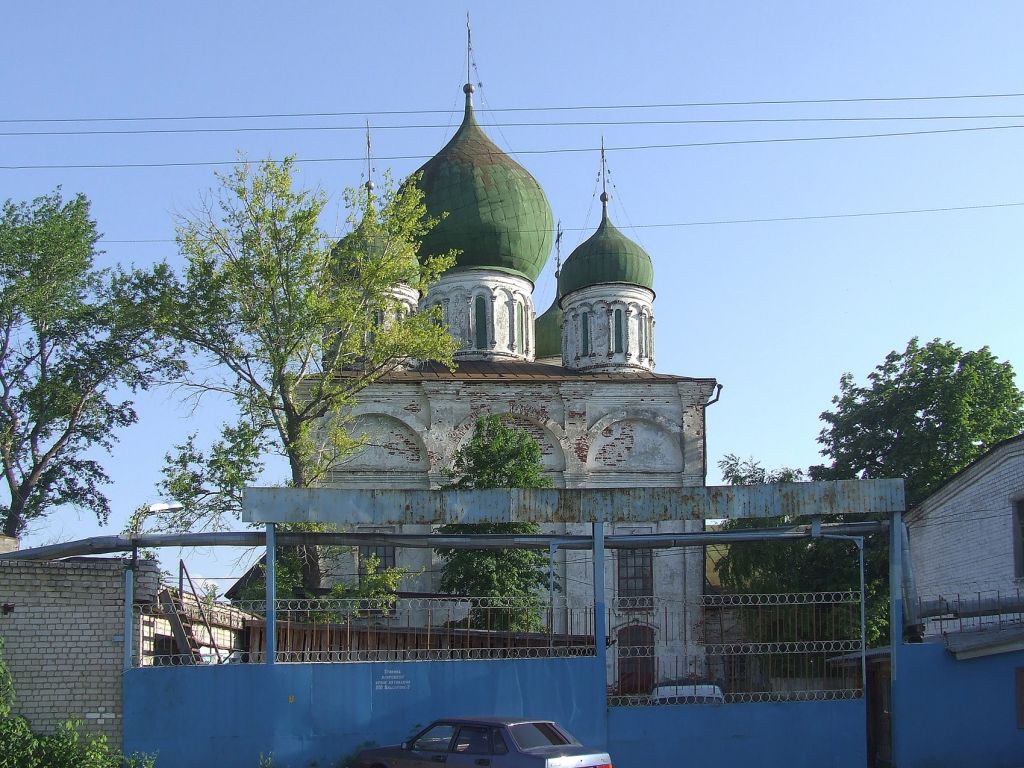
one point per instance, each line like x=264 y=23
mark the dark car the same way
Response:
x=497 y=742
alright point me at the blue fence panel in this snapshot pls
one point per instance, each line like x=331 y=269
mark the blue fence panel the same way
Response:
x=229 y=715
x=960 y=714
x=792 y=734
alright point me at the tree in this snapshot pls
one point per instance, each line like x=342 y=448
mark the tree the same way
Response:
x=74 y=341
x=925 y=414
x=807 y=565
x=291 y=327
x=498 y=455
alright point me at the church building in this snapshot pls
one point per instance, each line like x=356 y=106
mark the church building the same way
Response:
x=580 y=378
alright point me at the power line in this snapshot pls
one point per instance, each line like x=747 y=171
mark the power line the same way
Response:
x=576 y=107
x=713 y=222
x=536 y=124
x=563 y=150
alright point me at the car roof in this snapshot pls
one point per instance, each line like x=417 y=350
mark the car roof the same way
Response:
x=491 y=720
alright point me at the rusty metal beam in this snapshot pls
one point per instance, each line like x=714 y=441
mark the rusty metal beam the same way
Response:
x=576 y=505
x=100 y=545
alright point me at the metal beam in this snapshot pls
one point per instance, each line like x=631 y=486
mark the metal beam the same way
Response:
x=575 y=505
x=101 y=545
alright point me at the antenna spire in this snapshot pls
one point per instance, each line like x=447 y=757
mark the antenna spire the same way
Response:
x=558 y=250
x=604 y=182
x=369 y=163
x=468 y=87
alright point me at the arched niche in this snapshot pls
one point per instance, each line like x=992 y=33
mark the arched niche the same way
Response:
x=547 y=435
x=390 y=444
x=630 y=444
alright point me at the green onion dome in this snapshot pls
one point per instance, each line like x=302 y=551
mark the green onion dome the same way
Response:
x=607 y=256
x=497 y=215
x=547 y=332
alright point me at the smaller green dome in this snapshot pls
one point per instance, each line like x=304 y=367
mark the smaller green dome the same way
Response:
x=607 y=256
x=548 y=332
x=367 y=243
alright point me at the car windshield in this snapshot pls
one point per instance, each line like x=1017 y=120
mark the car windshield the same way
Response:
x=435 y=739
x=530 y=735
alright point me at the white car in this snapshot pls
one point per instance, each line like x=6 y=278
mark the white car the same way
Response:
x=687 y=694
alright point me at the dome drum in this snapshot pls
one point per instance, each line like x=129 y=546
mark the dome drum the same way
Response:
x=609 y=328
x=490 y=312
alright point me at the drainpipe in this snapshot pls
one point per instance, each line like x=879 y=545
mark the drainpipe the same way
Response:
x=704 y=436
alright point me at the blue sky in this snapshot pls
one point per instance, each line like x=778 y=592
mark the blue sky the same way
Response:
x=776 y=311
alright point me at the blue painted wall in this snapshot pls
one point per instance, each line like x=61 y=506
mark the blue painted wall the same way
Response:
x=956 y=714
x=804 y=734
x=228 y=715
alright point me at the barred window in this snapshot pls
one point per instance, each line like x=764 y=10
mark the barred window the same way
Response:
x=636 y=573
x=385 y=556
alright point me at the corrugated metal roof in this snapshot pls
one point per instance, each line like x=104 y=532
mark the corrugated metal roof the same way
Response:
x=489 y=370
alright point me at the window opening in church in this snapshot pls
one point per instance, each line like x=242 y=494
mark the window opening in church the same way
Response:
x=641 y=336
x=481 y=322
x=585 y=333
x=618 y=330
x=636 y=576
x=520 y=328
x=385 y=556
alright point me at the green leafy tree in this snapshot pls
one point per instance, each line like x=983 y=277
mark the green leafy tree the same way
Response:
x=291 y=326
x=74 y=342
x=498 y=455
x=924 y=415
x=806 y=565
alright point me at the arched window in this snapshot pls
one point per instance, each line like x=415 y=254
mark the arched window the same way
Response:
x=480 y=317
x=618 y=330
x=520 y=328
x=585 y=334
x=641 y=335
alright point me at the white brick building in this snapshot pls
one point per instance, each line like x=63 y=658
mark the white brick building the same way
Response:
x=967 y=538
x=63 y=629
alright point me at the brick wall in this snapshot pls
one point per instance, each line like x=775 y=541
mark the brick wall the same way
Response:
x=64 y=639
x=962 y=536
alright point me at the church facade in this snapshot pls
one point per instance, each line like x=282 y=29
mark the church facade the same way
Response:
x=580 y=378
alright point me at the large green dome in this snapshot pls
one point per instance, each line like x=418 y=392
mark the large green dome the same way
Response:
x=607 y=256
x=547 y=332
x=497 y=214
